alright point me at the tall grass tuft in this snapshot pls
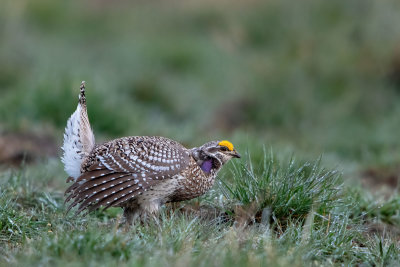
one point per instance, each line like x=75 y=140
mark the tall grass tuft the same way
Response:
x=288 y=189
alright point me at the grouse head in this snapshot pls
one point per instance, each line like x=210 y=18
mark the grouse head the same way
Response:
x=213 y=155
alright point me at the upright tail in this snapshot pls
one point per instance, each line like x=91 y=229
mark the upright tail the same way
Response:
x=78 y=138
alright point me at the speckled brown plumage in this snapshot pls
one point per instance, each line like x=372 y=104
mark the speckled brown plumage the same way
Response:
x=140 y=173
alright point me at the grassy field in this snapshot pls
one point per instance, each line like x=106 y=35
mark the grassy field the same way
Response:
x=309 y=93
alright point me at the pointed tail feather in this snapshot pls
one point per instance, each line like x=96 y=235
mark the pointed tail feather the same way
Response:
x=78 y=138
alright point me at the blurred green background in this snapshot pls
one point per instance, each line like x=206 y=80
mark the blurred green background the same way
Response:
x=311 y=77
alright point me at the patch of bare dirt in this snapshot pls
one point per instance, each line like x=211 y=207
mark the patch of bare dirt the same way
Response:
x=384 y=180
x=16 y=148
x=383 y=229
x=394 y=69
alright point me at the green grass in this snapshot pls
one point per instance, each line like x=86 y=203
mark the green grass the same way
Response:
x=289 y=189
x=295 y=213
x=302 y=79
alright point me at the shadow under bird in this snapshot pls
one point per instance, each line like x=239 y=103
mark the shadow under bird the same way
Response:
x=137 y=173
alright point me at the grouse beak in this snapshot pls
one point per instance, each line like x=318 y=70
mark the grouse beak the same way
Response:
x=236 y=154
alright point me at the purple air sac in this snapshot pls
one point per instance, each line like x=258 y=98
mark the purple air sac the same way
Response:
x=207 y=165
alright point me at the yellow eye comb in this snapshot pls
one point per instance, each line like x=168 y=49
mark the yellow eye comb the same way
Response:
x=226 y=144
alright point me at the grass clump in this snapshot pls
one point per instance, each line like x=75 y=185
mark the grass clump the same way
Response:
x=288 y=189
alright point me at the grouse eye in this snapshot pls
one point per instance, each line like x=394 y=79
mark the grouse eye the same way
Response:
x=224 y=148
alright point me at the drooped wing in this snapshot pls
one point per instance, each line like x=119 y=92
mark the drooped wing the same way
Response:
x=125 y=168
